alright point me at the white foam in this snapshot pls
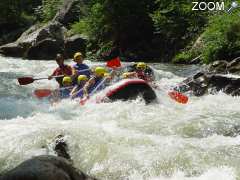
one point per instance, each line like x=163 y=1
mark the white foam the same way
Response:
x=122 y=140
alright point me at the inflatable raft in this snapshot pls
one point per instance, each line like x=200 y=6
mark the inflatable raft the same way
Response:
x=129 y=89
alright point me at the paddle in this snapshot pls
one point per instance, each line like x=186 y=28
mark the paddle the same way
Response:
x=179 y=97
x=113 y=63
x=29 y=80
x=175 y=95
x=41 y=93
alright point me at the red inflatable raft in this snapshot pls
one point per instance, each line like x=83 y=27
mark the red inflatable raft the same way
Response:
x=129 y=89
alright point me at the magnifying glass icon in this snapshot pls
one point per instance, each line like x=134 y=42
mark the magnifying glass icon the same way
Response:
x=234 y=5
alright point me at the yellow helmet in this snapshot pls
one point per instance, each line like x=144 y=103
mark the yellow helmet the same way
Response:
x=82 y=78
x=100 y=71
x=141 y=65
x=76 y=55
x=67 y=81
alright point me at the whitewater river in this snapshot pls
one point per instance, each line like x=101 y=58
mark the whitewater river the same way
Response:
x=121 y=140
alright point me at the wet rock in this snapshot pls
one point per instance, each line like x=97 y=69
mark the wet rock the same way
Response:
x=218 y=67
x=48 y=167
x=61 y=147
x=12 y=49
x=45 y=168
x=205 y=82
x=234 y=66
x=74 y=44
x=224 y=67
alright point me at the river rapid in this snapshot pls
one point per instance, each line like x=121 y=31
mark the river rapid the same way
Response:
x=121 y=140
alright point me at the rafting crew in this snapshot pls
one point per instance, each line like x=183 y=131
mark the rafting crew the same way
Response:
x=139 y=70
x=83 y=81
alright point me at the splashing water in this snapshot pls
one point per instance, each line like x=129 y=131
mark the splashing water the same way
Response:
x=122 y=140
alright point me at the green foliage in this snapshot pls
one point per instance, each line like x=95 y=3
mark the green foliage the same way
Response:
x=17 y=13
x=122 y=22
x=50 y=8
x=92 y=25
x=183 y=57
x=222 y=38
x=176 y=24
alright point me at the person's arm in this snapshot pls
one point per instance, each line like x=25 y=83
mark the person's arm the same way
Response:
x=74 y=90
x=129 y=74
x=87 y=86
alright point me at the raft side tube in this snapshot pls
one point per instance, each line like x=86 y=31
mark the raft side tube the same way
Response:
x=130 y=89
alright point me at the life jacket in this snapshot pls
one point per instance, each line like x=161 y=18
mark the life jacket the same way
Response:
x=65 y=70
x=82 y=69
x=141 y=75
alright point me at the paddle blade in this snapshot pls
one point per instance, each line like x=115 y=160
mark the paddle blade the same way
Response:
x=41 y=93
x=114 y=63
x=179 y=97
x=25 y=80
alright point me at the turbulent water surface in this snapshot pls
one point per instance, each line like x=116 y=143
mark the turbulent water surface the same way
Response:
x=122 y=140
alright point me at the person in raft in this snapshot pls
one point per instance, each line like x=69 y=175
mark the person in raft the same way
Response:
x=79 y=67
x=140 y=70
x=77 y=91
x=67 y=87
x=62 y=69
x=96 y=82
x=64 y=91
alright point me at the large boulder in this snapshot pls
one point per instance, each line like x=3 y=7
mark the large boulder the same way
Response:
x=45 y=49
x=74 y=44
x=45 y=167
x=12 y=49
x=38 y=43
x=45 y=41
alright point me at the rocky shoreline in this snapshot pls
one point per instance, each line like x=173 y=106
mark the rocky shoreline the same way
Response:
x=213 y=79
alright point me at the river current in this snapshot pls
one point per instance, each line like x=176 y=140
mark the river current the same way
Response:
x=122 y=140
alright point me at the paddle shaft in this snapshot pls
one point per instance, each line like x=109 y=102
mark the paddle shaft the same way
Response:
x=35 y=79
